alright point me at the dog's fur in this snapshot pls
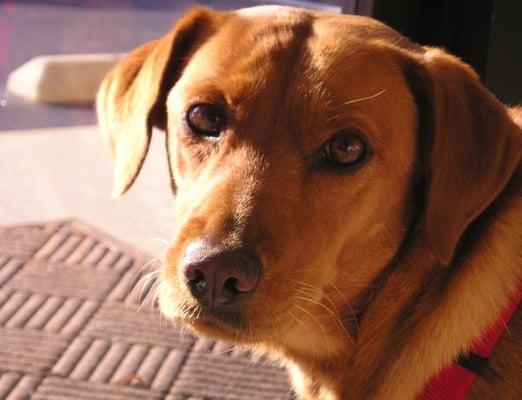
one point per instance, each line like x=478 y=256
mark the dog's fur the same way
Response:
x=373 y=279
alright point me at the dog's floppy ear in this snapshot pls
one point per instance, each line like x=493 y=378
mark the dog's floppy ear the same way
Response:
x=471 y=149
x=132 y=97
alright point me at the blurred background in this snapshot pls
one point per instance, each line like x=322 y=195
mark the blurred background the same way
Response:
x=52 y=162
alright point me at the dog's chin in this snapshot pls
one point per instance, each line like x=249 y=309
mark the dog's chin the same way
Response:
x=211 y=326
x=219 y=323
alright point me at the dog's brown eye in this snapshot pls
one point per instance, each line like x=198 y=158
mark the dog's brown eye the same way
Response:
x=205 y=119
x=345 y=149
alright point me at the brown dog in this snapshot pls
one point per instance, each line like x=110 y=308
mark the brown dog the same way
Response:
x=347 y=200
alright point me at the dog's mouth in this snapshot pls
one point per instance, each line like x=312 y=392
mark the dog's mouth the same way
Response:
x=229 y=321
x=223 y=324
x=218 y=317
x=236 y=323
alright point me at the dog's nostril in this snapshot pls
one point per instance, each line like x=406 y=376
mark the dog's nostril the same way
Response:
x=200 y=284
x=230 y=286
x=197 y=280
x=197 y=275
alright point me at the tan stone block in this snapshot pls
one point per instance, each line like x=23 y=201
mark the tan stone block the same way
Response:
x=61 y=79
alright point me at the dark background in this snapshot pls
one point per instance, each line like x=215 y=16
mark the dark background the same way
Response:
x=485 y=33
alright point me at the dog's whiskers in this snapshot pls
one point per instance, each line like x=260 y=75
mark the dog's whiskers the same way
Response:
x=310 y=290
x=147 y=284
x=313 y=317
x=316 y=291
x=354 y=317
x=148 y=264
x=307 y=286
x=334 y=316
x=160 y=239
x=295 y=318
x=144 y=281
x=300 y=322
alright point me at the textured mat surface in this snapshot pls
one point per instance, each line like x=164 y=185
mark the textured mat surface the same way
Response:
x=77 y=322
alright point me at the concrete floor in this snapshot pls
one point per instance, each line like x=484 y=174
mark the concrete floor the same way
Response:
x=60 y=173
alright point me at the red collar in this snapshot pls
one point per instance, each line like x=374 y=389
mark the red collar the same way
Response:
x=454 y=381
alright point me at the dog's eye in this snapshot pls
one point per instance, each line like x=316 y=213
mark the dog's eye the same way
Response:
x=205 y=119
x=345 y=149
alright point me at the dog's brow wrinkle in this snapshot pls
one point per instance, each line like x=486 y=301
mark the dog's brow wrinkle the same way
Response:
x=365 y=98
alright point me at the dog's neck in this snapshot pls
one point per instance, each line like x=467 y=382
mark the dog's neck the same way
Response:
x=423 y=316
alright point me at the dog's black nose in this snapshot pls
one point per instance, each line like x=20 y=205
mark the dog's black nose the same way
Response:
x=219 y=277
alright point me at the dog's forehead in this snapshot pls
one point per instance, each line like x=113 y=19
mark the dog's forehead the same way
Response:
x=300 y=63
x=262 y=39
x=355 y=25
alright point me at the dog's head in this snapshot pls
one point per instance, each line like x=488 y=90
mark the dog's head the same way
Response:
x=303 y=147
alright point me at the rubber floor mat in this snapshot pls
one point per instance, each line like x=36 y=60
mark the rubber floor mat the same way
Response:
x=78 y=321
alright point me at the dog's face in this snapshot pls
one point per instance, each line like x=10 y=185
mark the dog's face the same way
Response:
x=307 y=166
x=294 y=148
